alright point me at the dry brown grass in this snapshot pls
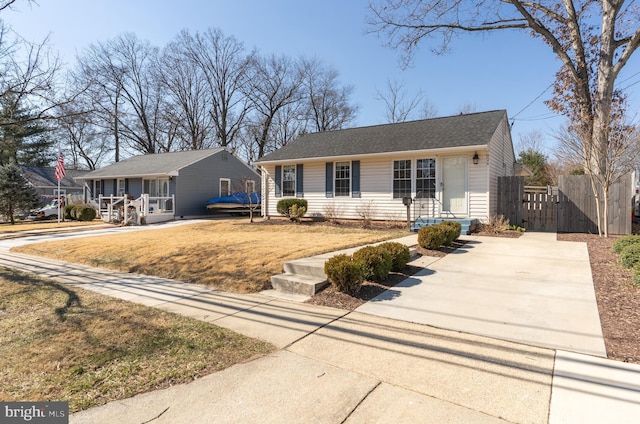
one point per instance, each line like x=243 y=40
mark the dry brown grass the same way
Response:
x=63 y=343
x=229 y=255
x=6 y=228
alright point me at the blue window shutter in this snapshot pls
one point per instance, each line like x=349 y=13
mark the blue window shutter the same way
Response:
x=299 y=179
x=329 y=179
x=278 y=181
x=126 y=185
x=355 y=178
x=115 y=187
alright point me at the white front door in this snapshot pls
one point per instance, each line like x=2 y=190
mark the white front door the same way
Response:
x=163 y=191
x=454 y=185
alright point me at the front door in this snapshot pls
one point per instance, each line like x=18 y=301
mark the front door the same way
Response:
x=454 y=186
x=163 y=191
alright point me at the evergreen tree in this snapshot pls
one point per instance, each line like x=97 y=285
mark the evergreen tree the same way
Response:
x=536 y=162
x=16 y=194
x=23 y=138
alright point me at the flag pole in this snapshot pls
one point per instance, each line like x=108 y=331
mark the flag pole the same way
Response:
x=59 y=201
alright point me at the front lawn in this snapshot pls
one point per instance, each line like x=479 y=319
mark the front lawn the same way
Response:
x=63 y=343
x=229 y=255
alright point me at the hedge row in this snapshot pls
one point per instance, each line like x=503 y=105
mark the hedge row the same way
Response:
x=79 y=212
x=628 y=248
x=347 y=273
x=443 y=234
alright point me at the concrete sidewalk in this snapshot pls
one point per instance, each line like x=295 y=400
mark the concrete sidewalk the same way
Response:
x=335 y=366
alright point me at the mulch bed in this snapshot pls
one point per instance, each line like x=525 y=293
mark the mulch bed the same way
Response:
x=618 y=299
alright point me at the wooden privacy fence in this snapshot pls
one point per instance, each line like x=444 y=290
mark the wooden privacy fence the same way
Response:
x=571 y=208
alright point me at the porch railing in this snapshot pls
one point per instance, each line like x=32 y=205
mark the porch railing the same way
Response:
x=127 y=210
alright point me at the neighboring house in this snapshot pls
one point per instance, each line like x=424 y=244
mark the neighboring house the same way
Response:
x=43 y=179
x=190 y=178
x=447 y=167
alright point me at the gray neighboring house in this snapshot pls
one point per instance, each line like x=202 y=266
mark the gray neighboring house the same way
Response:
x=43 y=179
x=447 y=167
x=192 y=177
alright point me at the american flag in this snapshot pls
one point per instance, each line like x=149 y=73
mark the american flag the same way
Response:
x=60 y=173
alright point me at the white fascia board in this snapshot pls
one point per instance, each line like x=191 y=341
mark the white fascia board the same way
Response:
x=439 y=151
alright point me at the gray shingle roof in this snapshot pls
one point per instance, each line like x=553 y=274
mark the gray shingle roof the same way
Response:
x=453 y=131
x=157 y=164
x=44 y=176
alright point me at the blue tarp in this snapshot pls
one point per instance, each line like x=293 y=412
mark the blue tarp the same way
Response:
x=237 y=198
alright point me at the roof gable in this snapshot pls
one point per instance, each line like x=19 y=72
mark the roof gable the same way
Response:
x=448 y=132
x=44 y=176
x=156 y=164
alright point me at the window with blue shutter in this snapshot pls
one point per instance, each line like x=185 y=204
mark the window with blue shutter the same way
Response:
x=355 y=178
x=278 y=178
x=299 y=190
x=329 y=179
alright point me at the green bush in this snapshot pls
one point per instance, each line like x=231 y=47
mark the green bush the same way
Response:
x=630 y=255
x=84 y=213
x=376 y=262
x=400 y=254
x=344 y=273
x=623 y=242
x=285 y=208
x=67 y=211
x=431 y=237
x=452 y=231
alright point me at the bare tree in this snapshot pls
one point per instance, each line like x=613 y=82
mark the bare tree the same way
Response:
x=275 y=83
x=593 y=40
x=85 y=141
x=623 y=155
x=126 y=91
x=398 y=107
x=187 y=101
x=328 y=106
x=225 y=67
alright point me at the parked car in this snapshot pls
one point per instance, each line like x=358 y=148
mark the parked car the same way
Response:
x=49 y=211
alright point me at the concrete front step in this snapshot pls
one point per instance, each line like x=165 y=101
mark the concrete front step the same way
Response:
x=298 y=283
x=312 y=267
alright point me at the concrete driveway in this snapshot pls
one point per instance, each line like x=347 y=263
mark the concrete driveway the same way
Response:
x=533 y=290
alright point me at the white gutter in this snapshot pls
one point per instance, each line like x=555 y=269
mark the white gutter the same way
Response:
x=481 y=147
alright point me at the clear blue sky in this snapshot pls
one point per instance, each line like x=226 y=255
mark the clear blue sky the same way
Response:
x=500 y=71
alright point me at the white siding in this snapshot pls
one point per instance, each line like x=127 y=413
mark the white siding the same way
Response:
x=501 y=161
x=376 y=185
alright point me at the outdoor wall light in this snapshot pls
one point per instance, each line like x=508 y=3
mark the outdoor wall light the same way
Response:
x=476 y=158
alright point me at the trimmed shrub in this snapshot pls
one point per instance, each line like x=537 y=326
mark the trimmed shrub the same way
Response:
x=284 y=207
x=84 y=213
x=68 y=211
x=376 y=262
x=431 y=237
x=630 y=255
x=400 y=254
x=452 y=231
x=623 y=242
x=344 y=273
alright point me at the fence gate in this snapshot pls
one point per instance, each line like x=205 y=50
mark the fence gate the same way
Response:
x=534 y=208
x=569 y=208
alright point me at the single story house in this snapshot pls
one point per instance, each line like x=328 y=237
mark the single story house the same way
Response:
x=440 y=168
x=183 y=181
x=43 y=179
